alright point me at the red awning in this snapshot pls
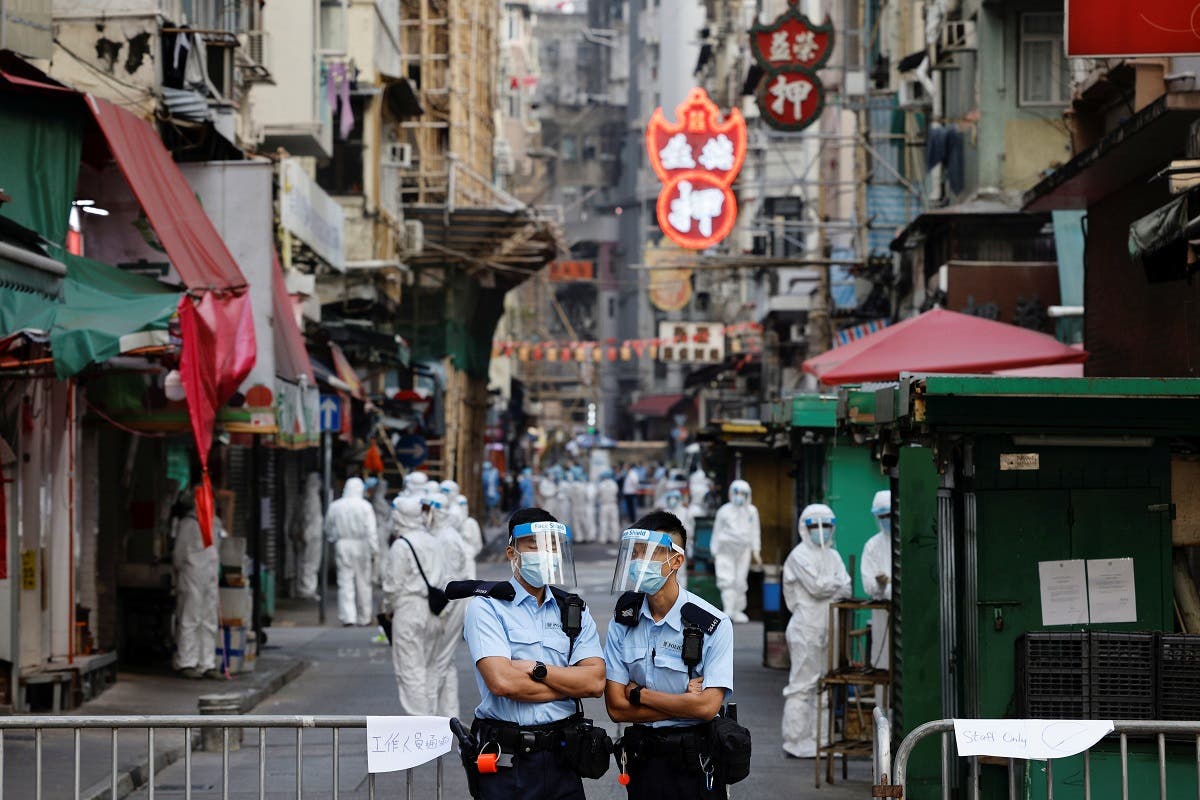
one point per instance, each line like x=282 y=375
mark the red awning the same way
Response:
x=656 y=405
x=192 y=243
x=940 y=341
x=291 y=357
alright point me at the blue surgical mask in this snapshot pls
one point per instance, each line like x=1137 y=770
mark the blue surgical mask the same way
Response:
x=649 y=573
x=885 y=524
x=739 y=499
x=532 y=568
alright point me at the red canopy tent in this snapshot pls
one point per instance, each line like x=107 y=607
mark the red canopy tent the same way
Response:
x=940 y=341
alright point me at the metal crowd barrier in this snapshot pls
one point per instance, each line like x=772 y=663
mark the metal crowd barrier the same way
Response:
x=188 y=724
x=893 y=784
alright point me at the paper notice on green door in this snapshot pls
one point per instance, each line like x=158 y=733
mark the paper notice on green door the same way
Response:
x=1111 y=593
x=1064 y=592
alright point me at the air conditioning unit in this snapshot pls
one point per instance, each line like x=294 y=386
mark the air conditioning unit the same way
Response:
x=398 y=154
x=959 y=34
x=414 y=237
x=912 y=96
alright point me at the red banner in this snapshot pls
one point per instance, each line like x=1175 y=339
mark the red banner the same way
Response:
x=1124 y=28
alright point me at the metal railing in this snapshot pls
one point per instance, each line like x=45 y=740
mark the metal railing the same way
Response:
x=893 y=784
x=190 y=724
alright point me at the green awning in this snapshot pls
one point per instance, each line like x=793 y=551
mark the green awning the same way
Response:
x=100 y=305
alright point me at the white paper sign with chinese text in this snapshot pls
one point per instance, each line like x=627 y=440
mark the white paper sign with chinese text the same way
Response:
x=1063 y=587
x=1111 y=593
x=1036 y=739
x=397 y=743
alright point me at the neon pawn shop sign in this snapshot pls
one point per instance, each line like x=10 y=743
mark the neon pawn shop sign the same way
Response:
x=696 y=158
x=790 y=51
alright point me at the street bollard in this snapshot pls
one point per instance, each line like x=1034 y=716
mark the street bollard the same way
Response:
x=212 y=739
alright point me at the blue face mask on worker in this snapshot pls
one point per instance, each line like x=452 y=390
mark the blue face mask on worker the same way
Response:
x=648 y=574
x=885 y=524
x=535 y=566
x=739 y=499
x=821 y=535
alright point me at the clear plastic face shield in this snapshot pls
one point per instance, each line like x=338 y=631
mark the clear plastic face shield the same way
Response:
x=819 y=528
x=881 y=509
x=645 y=561
x=540 y=553
x=739 y=493
x=673 y=501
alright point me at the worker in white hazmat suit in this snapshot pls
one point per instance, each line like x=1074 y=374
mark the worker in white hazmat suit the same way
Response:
x=311 y=523
x=813 y=577
x=452 y=491
x=450 y=622
x=570 y=500
x=415 y=483
x=405 y=597
x=586 y=513
x=471 y=535
x=547 y=495
x=608 y=496
x=350 y=528
x=876 y=575
x=673 y=504
x=736 y=541
x=196 y=578
x=698 y=488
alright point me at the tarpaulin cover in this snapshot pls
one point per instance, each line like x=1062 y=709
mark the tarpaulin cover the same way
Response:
x=346 y=373
x=214 y=362
x=655 y=405
x=291 y=357
x=218 y=331
x=940 y=341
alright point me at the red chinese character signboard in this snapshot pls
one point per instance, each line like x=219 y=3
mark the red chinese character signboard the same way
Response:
x=790 y=51
x=1124 y=28
x=697 y=159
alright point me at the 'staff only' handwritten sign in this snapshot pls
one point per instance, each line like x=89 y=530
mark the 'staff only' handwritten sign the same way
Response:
x=396 y=743
x=1036 y=739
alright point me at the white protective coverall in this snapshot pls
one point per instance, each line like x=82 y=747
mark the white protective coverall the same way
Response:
x=736 y=539
x=813 y=577
x=876 y=575
x=311 y=523
x=585 y=513
x=450 y=622
x=698 y=488
x=471 y=535
x=548 y=492
x=350 y=526
x=196 y=574
x=608 y=527
x=383 y=523
x=569 y=502
x=405 y=597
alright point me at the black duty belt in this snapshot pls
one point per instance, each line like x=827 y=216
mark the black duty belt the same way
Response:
x=514 y=738
x=676 y=743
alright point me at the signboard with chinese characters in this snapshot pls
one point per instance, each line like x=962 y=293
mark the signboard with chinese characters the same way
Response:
x=790 y=51
x=697 y=158
x=569 y=271
x=1124 y=28
x=311 y=215
x=691 y=341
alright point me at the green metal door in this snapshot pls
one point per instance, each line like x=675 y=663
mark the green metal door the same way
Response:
x=852 y=480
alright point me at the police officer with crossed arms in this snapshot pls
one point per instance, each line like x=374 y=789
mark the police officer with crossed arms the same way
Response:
x=536 y=652
x=669 y=657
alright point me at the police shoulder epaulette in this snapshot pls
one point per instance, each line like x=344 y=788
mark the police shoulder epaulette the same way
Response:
x=628 y=607
x=697 y=616
x=499 y=590
x=562 y=595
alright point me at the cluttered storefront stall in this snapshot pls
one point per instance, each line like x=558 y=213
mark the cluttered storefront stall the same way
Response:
x=1043 y=562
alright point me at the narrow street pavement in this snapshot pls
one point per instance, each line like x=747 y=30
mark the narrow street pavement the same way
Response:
x=349 y=674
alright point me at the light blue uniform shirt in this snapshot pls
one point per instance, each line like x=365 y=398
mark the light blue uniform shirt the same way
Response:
x=651 y=653
x=521 y=629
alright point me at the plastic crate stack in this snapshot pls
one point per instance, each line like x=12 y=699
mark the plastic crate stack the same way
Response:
x=1053 y=676
x=1108 y=675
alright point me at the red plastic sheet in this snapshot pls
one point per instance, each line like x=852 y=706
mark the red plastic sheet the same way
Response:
x=291 y=357
x=940 y=341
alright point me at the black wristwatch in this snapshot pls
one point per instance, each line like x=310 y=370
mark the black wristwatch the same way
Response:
x=635 y=695
x=539 y=671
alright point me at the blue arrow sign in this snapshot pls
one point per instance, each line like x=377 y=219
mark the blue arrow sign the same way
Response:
x=331 y=413
x=412 y=451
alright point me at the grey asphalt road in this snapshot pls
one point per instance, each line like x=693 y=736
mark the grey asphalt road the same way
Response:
x=349 y=674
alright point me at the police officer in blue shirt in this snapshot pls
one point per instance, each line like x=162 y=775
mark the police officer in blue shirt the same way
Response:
x=669 y=657
x=532 y=742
